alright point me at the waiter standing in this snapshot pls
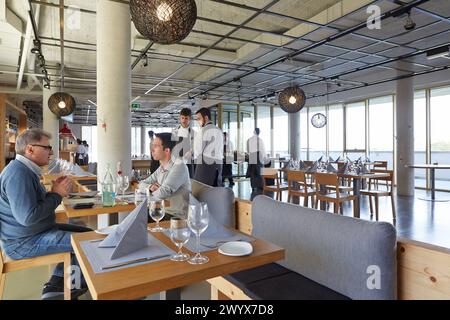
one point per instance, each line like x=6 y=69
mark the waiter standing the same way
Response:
x=185 y=135
x=256 y=152
x=208 y=150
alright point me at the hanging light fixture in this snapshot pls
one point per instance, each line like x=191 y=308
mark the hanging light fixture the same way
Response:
x=292 y=99
x=164 y=21
x=61 y=103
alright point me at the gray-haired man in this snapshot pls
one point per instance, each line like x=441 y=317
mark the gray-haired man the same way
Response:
x=27 y=211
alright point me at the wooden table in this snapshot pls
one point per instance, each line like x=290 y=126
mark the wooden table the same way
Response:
x=143 y=280
x=96 y=210
x=432 y=168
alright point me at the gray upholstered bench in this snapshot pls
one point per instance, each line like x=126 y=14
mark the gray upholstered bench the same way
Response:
x=327 y=256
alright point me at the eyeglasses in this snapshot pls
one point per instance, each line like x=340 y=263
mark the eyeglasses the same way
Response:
x=49 y=148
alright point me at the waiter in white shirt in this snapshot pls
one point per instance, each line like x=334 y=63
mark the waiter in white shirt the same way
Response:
x=208 y=150
x=185 y=135
x=256 y=154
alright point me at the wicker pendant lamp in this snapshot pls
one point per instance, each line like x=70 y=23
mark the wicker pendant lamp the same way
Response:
x=292 y=99
x=164 y=21
x=61 y=103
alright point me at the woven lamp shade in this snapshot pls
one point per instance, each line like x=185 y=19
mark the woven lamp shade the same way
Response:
x=292 y=99
x=61 y=109
x=164 y=21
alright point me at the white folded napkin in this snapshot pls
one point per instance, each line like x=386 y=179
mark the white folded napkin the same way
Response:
x=130 y=235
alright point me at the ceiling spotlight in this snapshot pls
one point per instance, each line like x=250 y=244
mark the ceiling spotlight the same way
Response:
x=409 y=24
x=265 y=99
x=35 y=50
x=204 y=97
x=145 y=58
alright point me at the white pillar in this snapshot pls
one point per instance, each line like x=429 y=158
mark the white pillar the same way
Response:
x=294 y=135
x=50 y=121
x=143 y=135
x=113 y=90
x=405 y=135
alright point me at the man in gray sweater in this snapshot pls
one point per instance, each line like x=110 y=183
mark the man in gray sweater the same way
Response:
x=171 y=180
x=27 y=210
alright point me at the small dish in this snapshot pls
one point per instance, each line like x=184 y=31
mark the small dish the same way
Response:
x=106 y=230
x=236 y=248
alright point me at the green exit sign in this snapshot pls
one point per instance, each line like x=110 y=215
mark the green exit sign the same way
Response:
x=135 y=106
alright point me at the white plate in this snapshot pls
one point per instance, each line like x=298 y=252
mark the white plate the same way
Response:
x=236 y=248
x=106 y=230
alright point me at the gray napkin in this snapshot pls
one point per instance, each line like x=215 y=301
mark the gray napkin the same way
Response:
x=330 y=168
x=330 y=159
x=77 y=171
x=302 y=165
x=344 y=168
x=53 y=168
x=313 y=167
x=130 y=235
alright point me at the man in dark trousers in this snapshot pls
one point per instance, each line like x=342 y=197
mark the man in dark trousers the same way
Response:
x=208 y=150
x=256 y=154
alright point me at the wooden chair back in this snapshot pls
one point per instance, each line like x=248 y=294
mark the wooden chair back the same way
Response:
x=380 y=165
x=297 y=176
x=327 y=179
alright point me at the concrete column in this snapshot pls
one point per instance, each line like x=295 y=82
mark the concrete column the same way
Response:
x=144 y=148
x=113 y=90
x=405 y=135
x=294 y=135
x=50 y=121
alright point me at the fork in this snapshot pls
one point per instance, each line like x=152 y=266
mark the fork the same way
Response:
x=213 y=246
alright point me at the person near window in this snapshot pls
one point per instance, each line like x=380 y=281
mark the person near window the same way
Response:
x=86 y=153
x=79 y=153
x=256 y=158
x=185 y=135
x=154 y=164
x=27 y=211
x=228 y=153
x=208 y=150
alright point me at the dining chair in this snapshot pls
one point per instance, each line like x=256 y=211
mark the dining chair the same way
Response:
x=380 y=165
x=272 y=174
x=298 y=187
x=8 y=265
x=325 y=194
x=376 y=193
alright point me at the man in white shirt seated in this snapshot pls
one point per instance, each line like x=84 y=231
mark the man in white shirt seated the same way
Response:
x=171 y=180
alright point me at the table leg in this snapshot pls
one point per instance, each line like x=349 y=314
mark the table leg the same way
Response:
x=357 y=193
x=432 y=176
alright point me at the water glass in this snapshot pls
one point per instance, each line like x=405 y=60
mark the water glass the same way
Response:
x=157 y=212
x=198 y=218
x=179 y=234
x=123 y=182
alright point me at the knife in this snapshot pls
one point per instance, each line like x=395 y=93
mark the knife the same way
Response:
x=120 y=264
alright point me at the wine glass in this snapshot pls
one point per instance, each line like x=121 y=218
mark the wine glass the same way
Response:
x=157 y=212
x=198 y=217
x=179 y=234
x=123 y=182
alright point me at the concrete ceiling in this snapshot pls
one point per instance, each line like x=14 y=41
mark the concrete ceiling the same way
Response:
x=237 y=51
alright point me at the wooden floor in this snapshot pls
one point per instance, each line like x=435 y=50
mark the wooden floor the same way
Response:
x=417 y=219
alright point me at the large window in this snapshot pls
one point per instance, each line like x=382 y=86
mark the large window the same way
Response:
x=317 y=136
x=247 y=125
x=335 y=123
x=355 y=120
x=136 y=141
x=264 y=126
x=440 y=133
x=304 y=134
x=280 y=132
x=420 y=136
x=89 y=133
x=381 y=129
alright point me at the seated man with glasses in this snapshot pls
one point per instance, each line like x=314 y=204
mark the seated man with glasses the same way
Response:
x=27 y=211
x=171 y=180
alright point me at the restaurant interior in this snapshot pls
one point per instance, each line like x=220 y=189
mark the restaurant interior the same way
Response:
x=350 y=100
